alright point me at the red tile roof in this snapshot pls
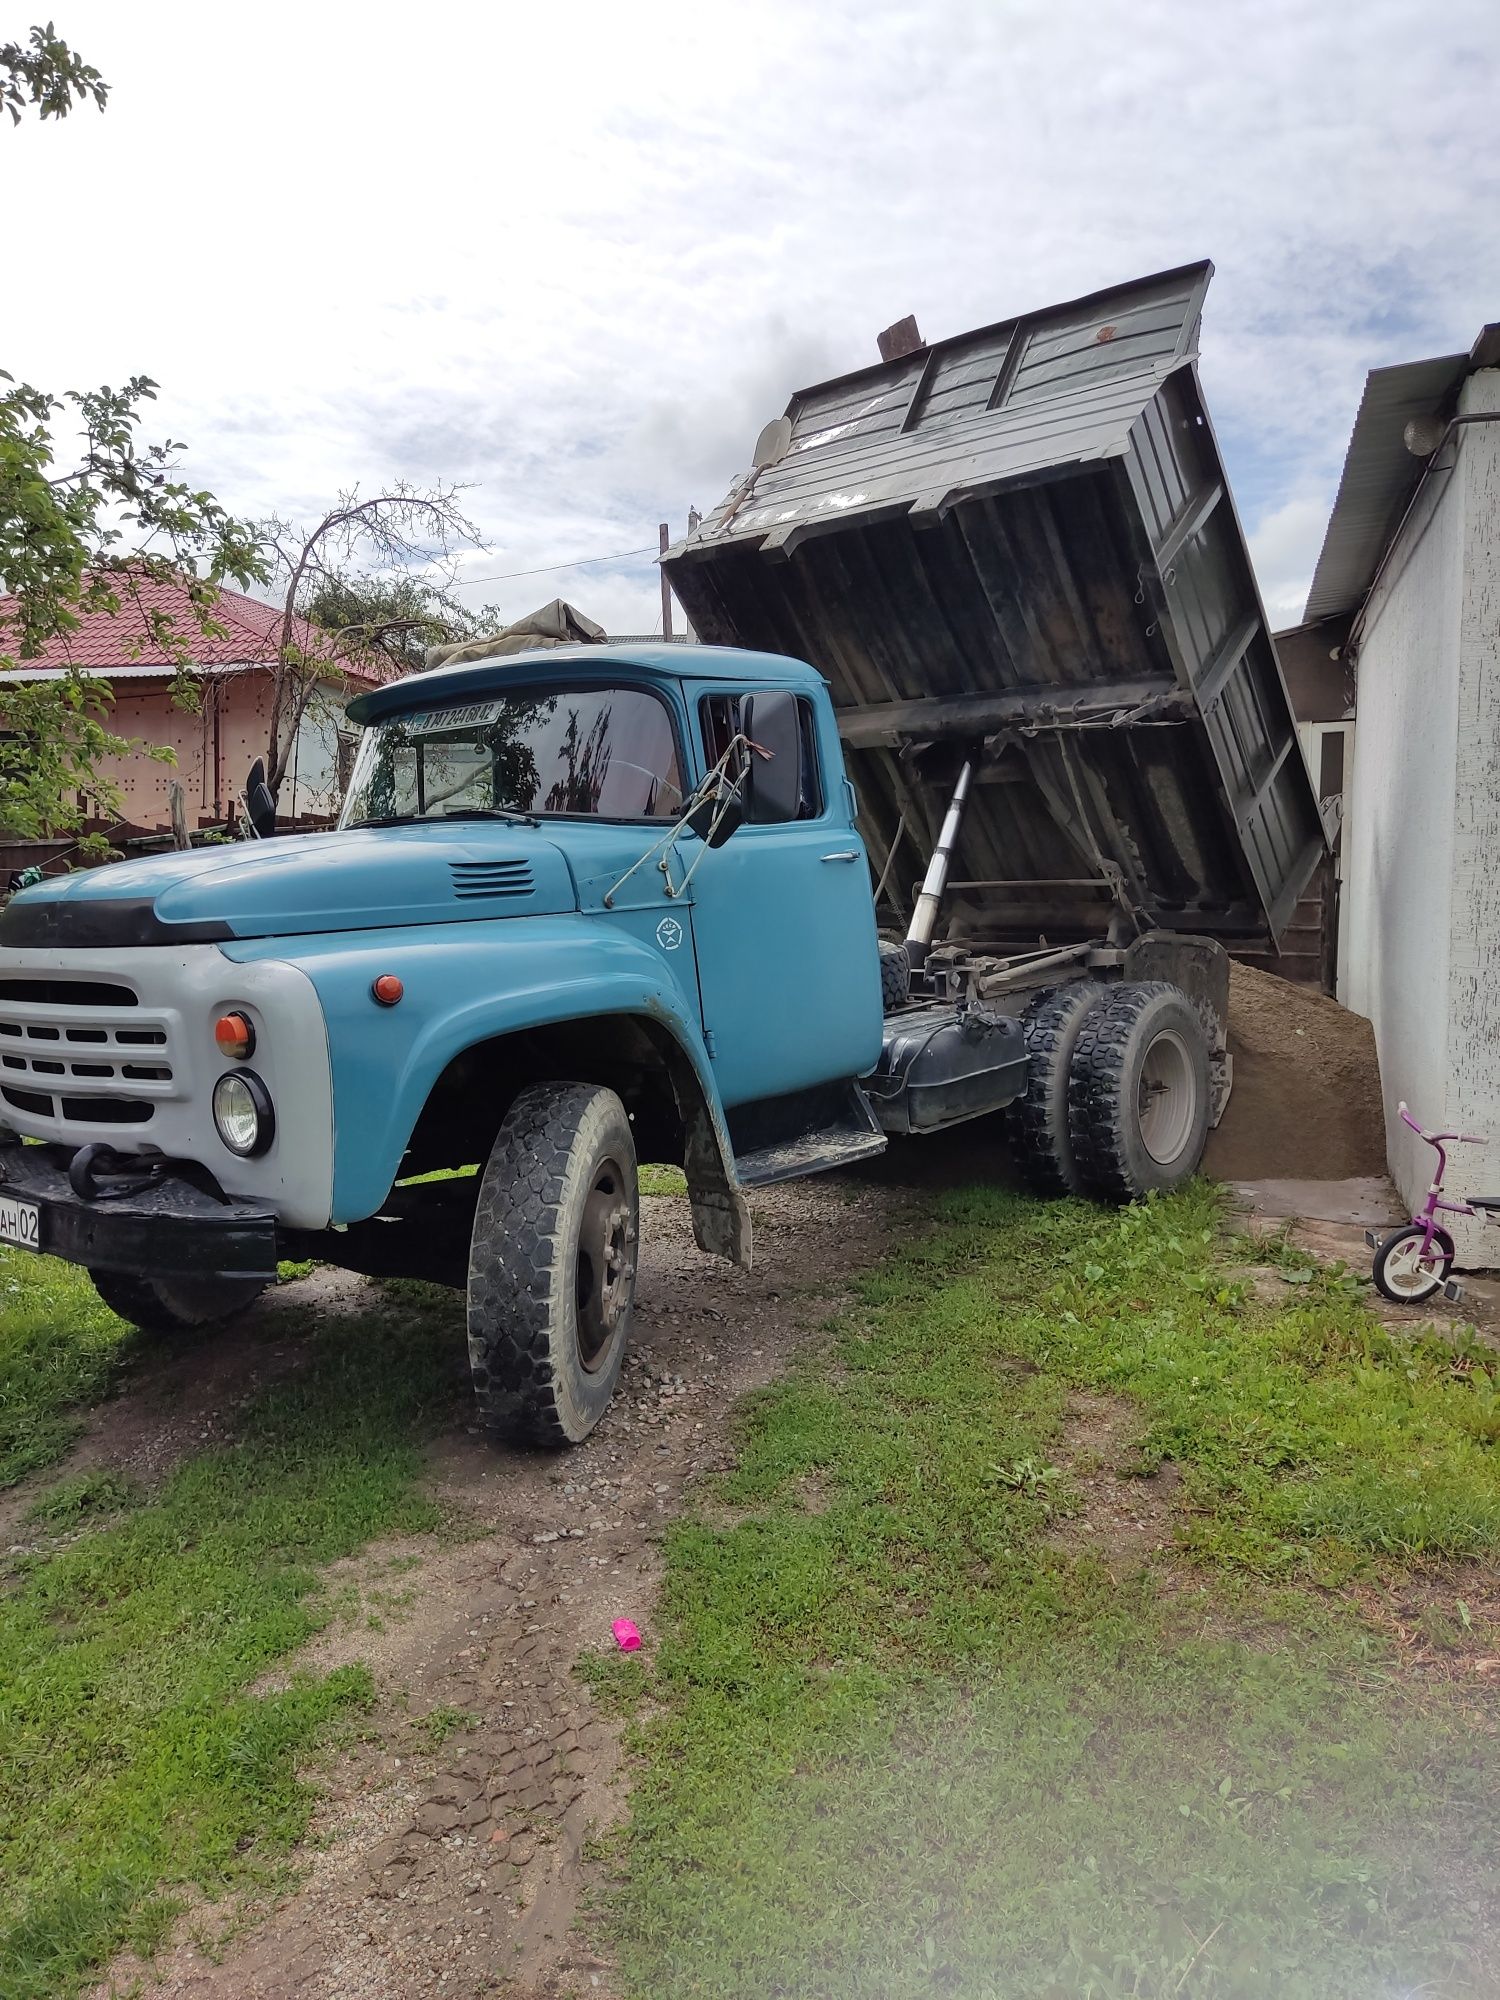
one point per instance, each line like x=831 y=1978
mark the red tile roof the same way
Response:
x=105 y=641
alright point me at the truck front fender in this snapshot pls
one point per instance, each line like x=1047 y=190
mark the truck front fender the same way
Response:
x=489 y=980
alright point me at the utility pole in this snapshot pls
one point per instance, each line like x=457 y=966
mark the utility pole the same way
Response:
x=663 y=539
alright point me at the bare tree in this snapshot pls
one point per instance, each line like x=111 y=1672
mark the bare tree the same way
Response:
x=405 y=529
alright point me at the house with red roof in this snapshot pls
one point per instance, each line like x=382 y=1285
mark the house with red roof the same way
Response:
x=216 y=743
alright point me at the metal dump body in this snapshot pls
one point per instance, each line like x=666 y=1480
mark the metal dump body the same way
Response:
x=1019 y=546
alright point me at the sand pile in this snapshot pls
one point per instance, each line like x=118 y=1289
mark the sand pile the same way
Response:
x=1306 y=1100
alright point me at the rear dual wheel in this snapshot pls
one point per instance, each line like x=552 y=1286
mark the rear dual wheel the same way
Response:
x=1117 y=1100
x=1038 y=1122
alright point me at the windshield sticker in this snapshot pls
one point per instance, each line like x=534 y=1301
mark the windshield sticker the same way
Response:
x=476 y=715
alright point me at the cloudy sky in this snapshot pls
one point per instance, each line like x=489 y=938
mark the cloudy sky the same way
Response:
x=577 y=254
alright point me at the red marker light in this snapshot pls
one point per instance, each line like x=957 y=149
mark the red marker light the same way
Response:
x=387 y=989
x=235 y=1036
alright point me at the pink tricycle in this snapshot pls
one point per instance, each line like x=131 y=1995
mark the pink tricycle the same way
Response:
x=1413 y=1262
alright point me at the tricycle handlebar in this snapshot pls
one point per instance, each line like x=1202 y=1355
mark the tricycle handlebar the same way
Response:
x=1439 y=1138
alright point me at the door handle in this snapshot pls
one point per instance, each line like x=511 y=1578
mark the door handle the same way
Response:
x=844 y=854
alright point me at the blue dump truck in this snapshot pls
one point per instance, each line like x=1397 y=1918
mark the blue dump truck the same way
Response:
x=988 y=760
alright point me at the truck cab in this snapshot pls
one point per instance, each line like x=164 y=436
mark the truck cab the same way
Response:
x=519 y=934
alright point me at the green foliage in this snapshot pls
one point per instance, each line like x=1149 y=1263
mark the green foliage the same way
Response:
x=46 y=75
x=910 y=1743
x=399 y=616
x=662 y=1180
x=135 y=1763
x=82 y=537
x=348 y=575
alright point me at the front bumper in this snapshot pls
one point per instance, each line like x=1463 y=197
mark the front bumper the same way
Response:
x=173 y=1228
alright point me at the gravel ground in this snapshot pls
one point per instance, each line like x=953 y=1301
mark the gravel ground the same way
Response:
x=461 y=1871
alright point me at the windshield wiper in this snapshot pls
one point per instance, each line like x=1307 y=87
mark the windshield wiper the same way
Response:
x=436 y=819
x=491 y=812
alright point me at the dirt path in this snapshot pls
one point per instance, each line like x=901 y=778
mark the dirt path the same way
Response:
x=459 y=1871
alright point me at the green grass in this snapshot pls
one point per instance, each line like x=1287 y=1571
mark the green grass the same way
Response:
x=438 y=1724
x=134 y=1758
x=904 y=1743
x=59 y=1350
x=662 y=1180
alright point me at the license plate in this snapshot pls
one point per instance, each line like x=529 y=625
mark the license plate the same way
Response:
x=20 y=1223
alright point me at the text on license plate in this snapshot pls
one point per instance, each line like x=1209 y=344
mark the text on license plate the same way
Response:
x=20 y=1223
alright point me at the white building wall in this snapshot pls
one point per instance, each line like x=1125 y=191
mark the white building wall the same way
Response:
x=1474 y=925
x=1419 y=948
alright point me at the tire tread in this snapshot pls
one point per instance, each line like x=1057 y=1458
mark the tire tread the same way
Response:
x=1098 y=1105
x=514 y=1259
x=1038 y=1122
x=895 y=977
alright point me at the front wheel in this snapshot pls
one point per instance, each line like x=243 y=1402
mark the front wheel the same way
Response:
x=552 y=1264
x=1403 y=1274
x=175 y=1305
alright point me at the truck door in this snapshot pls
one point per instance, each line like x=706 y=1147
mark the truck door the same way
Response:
x=784 y=926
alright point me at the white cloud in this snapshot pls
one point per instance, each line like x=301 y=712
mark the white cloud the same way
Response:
x=1285 y=549
x=578 y=255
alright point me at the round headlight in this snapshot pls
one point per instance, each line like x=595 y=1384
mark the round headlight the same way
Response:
x=243 y=1114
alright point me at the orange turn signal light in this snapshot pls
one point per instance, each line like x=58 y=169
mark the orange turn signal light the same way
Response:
x=234 y=1035
x=387 y=989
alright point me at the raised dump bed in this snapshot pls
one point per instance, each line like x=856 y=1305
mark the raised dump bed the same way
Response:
x=1017 y=548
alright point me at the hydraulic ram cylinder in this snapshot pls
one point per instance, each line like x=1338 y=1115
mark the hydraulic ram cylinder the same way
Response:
x=924 y=917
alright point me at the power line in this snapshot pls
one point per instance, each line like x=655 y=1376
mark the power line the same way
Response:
x=547 y=569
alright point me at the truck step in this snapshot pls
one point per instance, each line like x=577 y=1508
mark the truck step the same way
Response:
x=809 y=1132
x=810 y=1153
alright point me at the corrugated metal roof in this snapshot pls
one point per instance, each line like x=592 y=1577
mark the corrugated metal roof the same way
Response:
x=972 y=414
x=121 y=643
x=1378 y=479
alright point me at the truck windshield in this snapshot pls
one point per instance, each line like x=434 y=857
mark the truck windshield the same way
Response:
x=605 y=752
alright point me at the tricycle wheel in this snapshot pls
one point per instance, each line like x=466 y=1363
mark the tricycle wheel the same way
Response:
x=1402 y=1274
x=1138 y=1092
x=1038 y=1122
x=552 y=1264
x=175 y=1305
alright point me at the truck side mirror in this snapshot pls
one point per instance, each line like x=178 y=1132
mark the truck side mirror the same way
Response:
x=773 y=782
x=716 y=818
